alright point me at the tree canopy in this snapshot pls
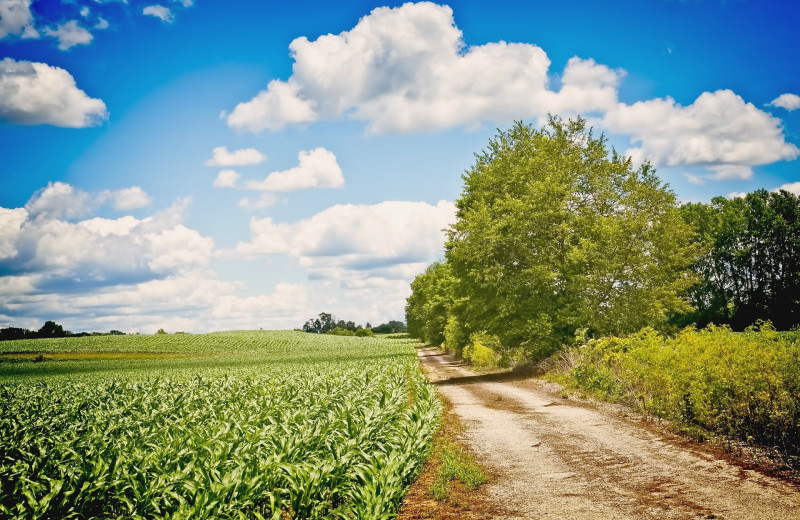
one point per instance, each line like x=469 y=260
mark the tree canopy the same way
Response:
x=556 y=233
x=751 y=267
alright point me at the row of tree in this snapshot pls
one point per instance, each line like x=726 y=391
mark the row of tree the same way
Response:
x=326 y=323
x=557 y=237
x=50 y=329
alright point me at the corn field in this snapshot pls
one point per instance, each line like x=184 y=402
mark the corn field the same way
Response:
x=274 y=425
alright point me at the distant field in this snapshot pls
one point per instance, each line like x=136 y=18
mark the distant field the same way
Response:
x=227 y=425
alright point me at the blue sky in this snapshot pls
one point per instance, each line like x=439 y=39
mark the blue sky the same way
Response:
x=222 y=165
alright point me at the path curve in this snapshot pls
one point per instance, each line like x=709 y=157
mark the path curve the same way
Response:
x=556 y=459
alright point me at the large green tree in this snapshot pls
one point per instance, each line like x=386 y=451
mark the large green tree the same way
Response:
x=555 y=233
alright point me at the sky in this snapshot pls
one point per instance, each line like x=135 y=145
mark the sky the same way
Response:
x=207 y=165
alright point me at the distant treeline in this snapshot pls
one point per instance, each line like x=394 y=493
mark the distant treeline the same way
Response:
x=50 y=329
x=326 y=323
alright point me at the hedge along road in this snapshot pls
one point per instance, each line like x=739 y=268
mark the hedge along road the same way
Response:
x=556 y=459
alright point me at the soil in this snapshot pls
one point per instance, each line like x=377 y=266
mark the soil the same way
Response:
x=552 y=457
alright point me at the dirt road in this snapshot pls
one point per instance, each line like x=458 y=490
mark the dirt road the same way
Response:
x=557 y=459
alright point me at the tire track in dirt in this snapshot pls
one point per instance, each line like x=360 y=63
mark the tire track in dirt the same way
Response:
x=555 y=459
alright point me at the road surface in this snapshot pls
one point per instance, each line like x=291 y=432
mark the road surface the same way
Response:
x=556 y=459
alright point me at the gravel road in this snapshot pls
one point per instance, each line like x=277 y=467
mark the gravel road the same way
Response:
x=555 y=459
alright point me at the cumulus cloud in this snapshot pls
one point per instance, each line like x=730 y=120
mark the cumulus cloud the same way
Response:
x=59 y=201
x=222 y=157
x=34 y=93
x=16 y=19
x=718 y=130
x=11 y=221
x=407 y=69
x=39 y=240
x=262 y=201
x=125 y=273
x=70 y=34
x=126 y=198
x=791 y=187
x=316 y=169
x=384 y=237
x=788 y=101
x=226 y=179
x=101 y=24
x=160 y=12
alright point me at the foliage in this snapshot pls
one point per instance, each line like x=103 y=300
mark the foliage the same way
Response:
x=428 y=307
x=50 y=329
x=482 y=350
x=751 y=269
x=457 y=465
x=391 y=327
x=326 y=323
x=554 y=233
x=247 y=424
x=744 y=385
x=360 y=332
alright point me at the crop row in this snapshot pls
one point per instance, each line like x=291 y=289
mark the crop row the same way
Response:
x=323 y=439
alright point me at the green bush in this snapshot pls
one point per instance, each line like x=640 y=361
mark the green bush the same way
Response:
x=482 y=350
x=743 y=385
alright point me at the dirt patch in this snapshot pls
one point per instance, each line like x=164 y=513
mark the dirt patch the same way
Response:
x=554 y=458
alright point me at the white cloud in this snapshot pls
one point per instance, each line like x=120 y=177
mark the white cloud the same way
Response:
x=222 y=157
x=264 y=200
x=59 y=201
x=360 y=258
x=694 y=179
x=160 y=12
x=791 y=187
x=788 y=101
x=11 y=221
x=85 y=11
x=38 y=238
x=316 y=169
x=719 y=130
x=226 y=179
x=407 y=69
x=16 y=19
x=35 y=93
x=352 y=238
x=101 y=24
x=128 y=198
x=70 y=34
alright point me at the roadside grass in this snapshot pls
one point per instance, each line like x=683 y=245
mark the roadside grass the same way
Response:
x=450 y=484
x=457 y=465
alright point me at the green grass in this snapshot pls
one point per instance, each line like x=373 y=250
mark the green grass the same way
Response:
x=227 y=425
x=457 y=465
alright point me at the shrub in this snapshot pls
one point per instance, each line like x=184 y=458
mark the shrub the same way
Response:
x=482 y=350
x=743 y=385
